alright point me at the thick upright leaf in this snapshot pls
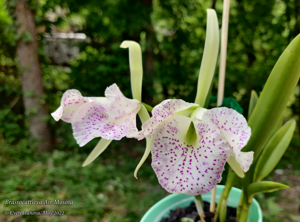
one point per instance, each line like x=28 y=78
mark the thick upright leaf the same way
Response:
x=274 y=97
x=253 y=101
x=209 y=58
x=274 y=150
x=264 y=186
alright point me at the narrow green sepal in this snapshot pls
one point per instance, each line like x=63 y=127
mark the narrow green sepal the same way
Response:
x=274 y=150
x=99 y=148
x=144 y=116
x=209 y=58
x=136 y=68
x=149 y=108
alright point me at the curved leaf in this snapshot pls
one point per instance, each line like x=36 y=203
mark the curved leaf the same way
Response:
x=264 y=186
x=274 y=97
x=274 y=150
x=252 y=103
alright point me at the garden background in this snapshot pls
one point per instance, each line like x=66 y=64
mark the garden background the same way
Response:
x=171 y=34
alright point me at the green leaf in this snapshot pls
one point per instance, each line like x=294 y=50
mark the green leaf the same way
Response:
x=99 y=148
x=278 y=124
x=274 y=97
x=253 y=101
x=186 y=219
x=274 y=150
x=209 y=58
x=264 y=186
x=136 y=68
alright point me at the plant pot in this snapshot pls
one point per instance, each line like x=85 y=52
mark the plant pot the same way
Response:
x=162 y=208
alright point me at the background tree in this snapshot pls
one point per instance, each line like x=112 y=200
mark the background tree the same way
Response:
x=31 y=76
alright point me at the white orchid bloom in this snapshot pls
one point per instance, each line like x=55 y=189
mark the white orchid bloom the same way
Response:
x=110 y=117
x=189 y=154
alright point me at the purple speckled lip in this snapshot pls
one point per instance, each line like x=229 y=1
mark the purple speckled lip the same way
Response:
x=182 y=167
x=162 y=208
x=190 y=169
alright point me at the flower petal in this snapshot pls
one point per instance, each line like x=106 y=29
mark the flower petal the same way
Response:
x=160 y=112
x=190 y=169
x=245 y=159
x=232 y=125
x=110 y=120
x=119 y=105
x=70 y=102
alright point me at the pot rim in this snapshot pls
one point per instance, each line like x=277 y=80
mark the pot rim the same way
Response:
x=160 y=203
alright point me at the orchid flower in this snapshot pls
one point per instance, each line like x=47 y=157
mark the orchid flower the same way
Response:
x=189 y=153
x=110 y=117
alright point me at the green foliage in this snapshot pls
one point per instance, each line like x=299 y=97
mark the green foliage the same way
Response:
x=98 y=191
x=263 y=186
x=274 y=150
x=253 y=101
x=263 y=120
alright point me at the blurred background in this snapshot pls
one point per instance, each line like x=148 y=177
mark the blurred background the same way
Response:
x=75 y=44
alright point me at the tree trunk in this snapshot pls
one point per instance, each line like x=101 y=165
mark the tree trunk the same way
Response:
x=31 y=76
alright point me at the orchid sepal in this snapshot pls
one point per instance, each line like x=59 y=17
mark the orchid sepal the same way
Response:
x=99 y=148
x=209 y=58
x=144 y=116
x=136 y=67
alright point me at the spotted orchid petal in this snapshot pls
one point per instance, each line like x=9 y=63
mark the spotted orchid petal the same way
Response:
x=161 y=112
x=188 y=168
x=235 y=129
x=70 y=102
x=111 y=120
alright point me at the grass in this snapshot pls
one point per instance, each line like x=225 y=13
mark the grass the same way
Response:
x=103 y=191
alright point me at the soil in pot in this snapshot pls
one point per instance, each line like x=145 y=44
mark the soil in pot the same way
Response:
x=191 y=212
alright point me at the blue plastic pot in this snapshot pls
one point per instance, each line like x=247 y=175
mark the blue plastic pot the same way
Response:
x=162 y=208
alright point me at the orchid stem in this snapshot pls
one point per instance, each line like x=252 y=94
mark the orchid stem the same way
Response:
x=239 y=208
x=212 y=206
x=199 y=206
